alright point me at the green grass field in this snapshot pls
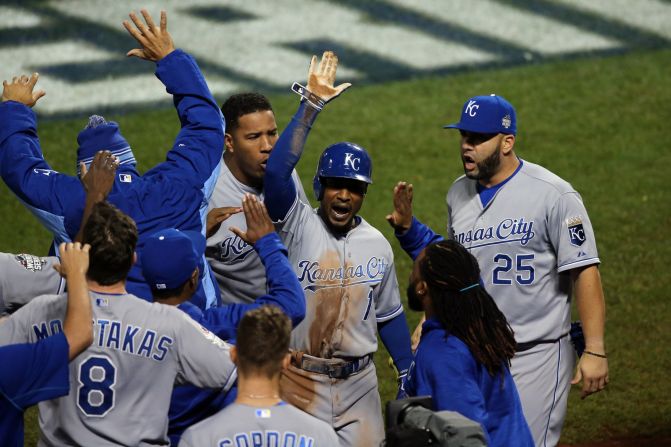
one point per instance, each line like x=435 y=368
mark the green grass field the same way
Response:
x=599 y=123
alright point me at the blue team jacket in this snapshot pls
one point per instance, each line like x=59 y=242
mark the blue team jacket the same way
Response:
x=445 y=369
x=173 y=194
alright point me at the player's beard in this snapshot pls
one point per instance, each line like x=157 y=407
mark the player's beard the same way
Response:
x=414 y=301
x=488 y=167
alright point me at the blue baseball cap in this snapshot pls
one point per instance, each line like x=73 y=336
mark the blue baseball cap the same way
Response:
x=169 y=257
x=487 y=114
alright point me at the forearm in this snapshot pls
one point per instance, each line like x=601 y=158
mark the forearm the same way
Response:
x=284 y=289
x=591 y=307
x=91 y=200
x=417 y=237
x=77 y=325
x=396 y=338
x=279 y=189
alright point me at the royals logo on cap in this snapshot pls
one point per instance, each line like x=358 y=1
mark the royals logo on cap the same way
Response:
x=487 y=114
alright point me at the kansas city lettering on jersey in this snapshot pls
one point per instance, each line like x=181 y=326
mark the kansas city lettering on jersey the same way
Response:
x=311 y=271
x=268 y=438
x=508 y=230
x=233 y=249
x=111 y=334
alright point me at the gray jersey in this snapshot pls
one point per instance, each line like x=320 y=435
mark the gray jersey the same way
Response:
x=533 y=229
x=120 y=387
x=238 y=269
x=241 y=425
x=349 y=282
x=24 y=277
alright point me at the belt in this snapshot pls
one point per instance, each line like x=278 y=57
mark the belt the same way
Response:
x=334 y=368
x=521 y=347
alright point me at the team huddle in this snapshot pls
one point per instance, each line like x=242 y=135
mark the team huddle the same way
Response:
x=206 y=303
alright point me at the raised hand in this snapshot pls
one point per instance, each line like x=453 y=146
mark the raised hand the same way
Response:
x=21 y=90
x=401 y=218
x=156 y=42
x=98 y=179
x=321 y=77
x=74 y=259
x=258 y=220
x=216 y=216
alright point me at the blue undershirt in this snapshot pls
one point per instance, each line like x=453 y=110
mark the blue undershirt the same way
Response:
x=487 y=194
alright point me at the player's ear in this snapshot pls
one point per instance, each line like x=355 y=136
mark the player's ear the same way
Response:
x=234 y=355
x=286 y=361
x=228 y=142
x=134 y=258
x=507 y=144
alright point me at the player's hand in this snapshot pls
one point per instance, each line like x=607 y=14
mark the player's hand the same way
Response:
x=401 y=218
x=21 y=90
x=593 y=371
x=155 y=40
x=417 y=334
x=321 y=77
x=98 y=179
x=74 y=259
x=216 y=216
x=258 y=220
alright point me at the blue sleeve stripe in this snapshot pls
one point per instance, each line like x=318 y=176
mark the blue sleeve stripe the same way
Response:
x=576 y=264
x=389 y=315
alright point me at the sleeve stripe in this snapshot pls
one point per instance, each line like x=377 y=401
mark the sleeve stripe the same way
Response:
x=576 y=264
x=390 y=315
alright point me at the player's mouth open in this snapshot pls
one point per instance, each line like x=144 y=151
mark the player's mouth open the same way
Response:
x=340 y=212
x=468 y=161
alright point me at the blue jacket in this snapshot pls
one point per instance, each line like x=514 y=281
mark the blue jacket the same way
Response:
x=445 y=369
x=190 y=404
x=173 y=194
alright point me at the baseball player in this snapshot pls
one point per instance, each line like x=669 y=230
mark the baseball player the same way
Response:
x=24 y=276
x=346 y=269
x=251 y=133
x=463 y=357
x=531 y=235
x=170 y=264
x=121 y=384
x=259 y=416
x=39 y=370
x=172 y=194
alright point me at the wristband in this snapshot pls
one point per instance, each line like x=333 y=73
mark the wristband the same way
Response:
x=603 y=356
x=314 y=100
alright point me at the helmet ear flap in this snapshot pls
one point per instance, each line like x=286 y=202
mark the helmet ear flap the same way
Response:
x=317 y=187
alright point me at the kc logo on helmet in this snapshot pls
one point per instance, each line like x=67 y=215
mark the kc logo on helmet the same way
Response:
x=351 y=161
x=576 y=231
x=471 y=108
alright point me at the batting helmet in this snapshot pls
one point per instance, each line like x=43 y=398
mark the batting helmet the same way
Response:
x=343 y=160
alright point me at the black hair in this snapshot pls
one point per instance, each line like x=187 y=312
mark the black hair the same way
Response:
x=464 y=309
x=242 y=104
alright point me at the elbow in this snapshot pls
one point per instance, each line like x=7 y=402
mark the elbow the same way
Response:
x=299 y=312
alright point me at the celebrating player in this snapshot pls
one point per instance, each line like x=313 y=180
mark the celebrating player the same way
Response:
x=39 y=370
x=259 y=416
x=172 y=194
x=463 y=357
x=172 y=259
x=122 y=382
x=531 y=235
x=346 y=268
x=251 y=133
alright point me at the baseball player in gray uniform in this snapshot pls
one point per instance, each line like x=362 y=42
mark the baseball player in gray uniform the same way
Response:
x=121 y=385
x=259 y=417
x=24 y=277
x=251 y=133
x=346 y=268
x=532 y=237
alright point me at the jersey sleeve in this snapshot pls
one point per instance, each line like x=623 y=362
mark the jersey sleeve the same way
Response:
x=26 y=324
x=571 y=233
x=39 y=371
x=24 y=277
x=387 y=297
x=198 y=148
x=204 y=359
x=51 y=196
x=417 y=237
x=280 y=192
